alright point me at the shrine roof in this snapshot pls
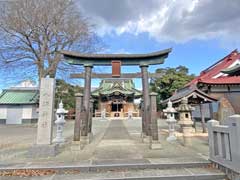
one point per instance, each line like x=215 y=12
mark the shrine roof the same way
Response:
x=111 y=86
x=19 y=96
x=126 y=59
x=233 y=80
x=189 y=92
x=221 y=72
x=231 y=70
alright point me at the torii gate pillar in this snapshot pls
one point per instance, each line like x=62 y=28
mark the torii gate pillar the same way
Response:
x=86 y=101
x=146 y=101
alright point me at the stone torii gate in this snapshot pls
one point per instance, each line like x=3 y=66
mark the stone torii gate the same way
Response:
x=116 y=61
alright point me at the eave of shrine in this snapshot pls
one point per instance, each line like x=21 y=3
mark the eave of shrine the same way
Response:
x=154 y=58
x=110 y=87
x=190 y=92
x=232 y=70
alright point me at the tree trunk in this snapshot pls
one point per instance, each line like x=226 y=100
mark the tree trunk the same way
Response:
x=52 y=74
x=40 y=75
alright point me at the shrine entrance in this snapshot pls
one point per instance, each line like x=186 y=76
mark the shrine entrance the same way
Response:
x=117 y=106
x=84 y=106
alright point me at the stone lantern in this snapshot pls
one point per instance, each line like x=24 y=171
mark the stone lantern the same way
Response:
x=59 y=139
x=170 y=111
x=185 y=120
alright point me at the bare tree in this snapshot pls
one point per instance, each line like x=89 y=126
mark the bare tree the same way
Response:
x=33 y=32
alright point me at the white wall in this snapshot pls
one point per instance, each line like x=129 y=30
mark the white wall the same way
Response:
x=27 y=112
x=224 y=88
x=3 y=112
x=14 y=114
x=219 y=89
x=235 y=88
x=34 y=112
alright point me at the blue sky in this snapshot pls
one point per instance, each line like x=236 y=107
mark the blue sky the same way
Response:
x=194 y=54
x=197 y=55
x=199 y=32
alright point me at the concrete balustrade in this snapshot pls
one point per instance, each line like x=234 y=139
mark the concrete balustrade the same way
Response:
x=224 y=144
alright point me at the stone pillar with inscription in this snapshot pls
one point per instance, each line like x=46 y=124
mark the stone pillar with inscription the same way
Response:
x=44 y=147
x=46 y=111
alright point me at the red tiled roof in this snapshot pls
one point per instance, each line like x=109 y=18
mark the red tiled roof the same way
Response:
x=223 y=80
x=207 y=76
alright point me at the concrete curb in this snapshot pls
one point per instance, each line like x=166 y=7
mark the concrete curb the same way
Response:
x=175 y=177
x=95 y=168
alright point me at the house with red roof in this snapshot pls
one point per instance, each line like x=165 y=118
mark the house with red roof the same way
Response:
x=224 y=72
x=222 y=80
x=219 y=81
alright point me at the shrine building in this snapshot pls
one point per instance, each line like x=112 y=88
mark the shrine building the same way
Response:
x=116 y=98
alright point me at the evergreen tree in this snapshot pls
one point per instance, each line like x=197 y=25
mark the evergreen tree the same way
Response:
x=66 y=93
x=172 y=79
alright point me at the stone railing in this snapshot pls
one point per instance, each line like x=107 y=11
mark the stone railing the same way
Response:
x=224 y=144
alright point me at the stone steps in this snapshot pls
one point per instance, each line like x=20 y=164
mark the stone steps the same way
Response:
x=105 y=166
x=162 y=171
x=147 y=174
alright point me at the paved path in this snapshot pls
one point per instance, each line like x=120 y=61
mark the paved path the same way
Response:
x=115 y=141
x=116 y=131
x=116 y=144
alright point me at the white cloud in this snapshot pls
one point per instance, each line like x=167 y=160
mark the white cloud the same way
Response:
x=167 y=20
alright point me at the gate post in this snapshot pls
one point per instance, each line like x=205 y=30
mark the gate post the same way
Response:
x=90 y=119
x=86 y=102
x=154 y=139
x=78 y=109
x=154 y=123
x=146 y=100
x=142 y=115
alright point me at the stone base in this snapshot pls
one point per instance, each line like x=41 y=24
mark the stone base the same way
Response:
x=145 y=138
x=75 y=146
x=43 y=151
x=90 y=135
x=187 y=140
x=155 y=145
x=84 y=140
x=59 y=140
x=171 y=138
x=187 y=135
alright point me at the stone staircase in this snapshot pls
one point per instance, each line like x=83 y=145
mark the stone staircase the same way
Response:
x=141 y=171
x=178 y=171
